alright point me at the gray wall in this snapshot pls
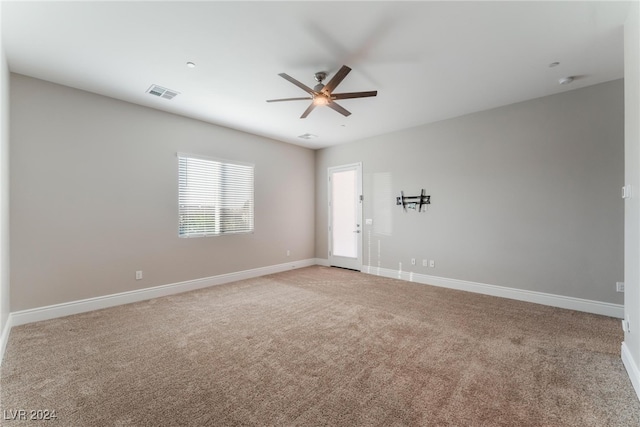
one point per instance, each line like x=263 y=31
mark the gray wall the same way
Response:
x=632 y=177
x=4 y=190
x=94 y=197
x=525 y=196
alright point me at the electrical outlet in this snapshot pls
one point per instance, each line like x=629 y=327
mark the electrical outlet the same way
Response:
x=425 y=263
x=288 y=252
x=413 y=261
x=432 y=263
x=619 y=286
x=139 y=275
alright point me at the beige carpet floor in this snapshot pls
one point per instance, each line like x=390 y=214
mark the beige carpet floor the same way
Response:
x=321 y=346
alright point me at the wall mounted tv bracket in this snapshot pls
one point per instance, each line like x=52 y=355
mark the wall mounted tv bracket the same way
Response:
x=412 y=202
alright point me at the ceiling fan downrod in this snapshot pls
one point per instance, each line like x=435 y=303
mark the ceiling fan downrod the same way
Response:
x=319 y=76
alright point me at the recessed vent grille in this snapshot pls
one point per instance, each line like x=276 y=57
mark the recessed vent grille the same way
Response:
x=162 y=92
x=307 y=136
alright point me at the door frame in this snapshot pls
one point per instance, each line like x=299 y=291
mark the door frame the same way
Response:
x=350 y=263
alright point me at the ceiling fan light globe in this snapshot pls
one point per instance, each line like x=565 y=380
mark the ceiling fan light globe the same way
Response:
x=320 y=100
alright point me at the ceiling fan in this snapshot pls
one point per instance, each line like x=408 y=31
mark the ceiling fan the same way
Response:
x=322 y=94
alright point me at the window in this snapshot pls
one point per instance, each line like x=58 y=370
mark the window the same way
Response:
x=214 y=197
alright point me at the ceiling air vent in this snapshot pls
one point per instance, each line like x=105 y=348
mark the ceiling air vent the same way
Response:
x=162 y=92
x=307 y=136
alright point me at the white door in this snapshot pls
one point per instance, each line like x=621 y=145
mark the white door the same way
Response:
x=345 y=216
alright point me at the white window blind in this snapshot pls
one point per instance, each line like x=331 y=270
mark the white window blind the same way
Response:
x=214 y=197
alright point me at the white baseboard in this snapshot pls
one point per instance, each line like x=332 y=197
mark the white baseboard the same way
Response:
x=578 y=304
x=74 y=307
x=322 y=261
x=632 y=368
x=81 y=306
x=4 y=338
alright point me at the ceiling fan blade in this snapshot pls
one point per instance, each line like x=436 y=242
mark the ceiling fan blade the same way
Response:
x=308 y=110
x=339 y=109
x=289 y=99
x=336 y=79
x=297 y=83
x=354 y=94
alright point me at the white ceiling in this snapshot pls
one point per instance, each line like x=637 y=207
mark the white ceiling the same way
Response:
x=428 y=60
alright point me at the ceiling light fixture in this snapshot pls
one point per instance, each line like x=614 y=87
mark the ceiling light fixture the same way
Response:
x=191 y=65
x=566 y=80
x=320 y=100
